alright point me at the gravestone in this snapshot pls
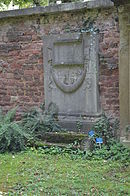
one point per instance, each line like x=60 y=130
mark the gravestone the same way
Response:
x=71 y=78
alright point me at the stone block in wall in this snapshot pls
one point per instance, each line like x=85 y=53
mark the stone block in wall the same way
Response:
x=71 y=77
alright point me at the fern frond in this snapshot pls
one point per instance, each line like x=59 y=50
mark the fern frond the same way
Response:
x=9 y=117
x=13 y=137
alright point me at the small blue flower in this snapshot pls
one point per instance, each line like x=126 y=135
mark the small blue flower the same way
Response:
x=91 y=133
x=99 y=140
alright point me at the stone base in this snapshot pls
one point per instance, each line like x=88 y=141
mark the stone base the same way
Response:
x=124 y=141
x=78 y=124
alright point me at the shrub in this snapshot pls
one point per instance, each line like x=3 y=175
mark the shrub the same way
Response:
x=39 y=121
x=106 y=128
x=12 y=135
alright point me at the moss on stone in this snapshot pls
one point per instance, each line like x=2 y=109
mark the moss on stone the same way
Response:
x=62 y=137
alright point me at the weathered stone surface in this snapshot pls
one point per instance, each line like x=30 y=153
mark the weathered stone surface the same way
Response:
x=71 y=75
x=57 y=8
x=124 y=71
x=63 y=137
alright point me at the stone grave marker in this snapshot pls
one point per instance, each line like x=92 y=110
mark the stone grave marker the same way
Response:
x=71 y=78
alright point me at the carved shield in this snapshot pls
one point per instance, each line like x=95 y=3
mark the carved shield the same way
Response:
x=68 y=70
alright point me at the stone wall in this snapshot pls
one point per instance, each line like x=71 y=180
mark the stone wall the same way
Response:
x=21 y=50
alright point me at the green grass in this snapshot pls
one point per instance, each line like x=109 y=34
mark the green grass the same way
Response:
x=36 y=173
